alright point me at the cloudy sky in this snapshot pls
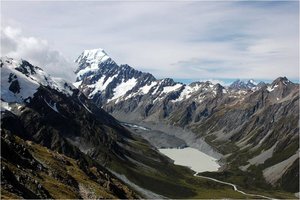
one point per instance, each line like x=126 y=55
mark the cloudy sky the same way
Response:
x=190 y=40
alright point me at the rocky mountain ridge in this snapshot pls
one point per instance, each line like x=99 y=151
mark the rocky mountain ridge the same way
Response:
x=105 y=81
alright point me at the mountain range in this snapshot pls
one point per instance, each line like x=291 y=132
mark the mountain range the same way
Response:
x=56 y=143
x=87 y=139
x=251 y=124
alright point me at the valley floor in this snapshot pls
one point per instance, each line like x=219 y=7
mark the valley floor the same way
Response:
x=199 y=161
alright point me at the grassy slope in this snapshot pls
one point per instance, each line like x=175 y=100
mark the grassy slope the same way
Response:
x=57 y=170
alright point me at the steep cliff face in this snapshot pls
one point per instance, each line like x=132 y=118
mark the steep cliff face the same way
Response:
x=254 y=125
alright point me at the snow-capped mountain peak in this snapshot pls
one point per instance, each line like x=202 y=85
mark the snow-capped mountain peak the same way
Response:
x=281 y=80
x=90 y=61
x=20 y=80
x=252 y=81
x=92 y=56
x=243 y=85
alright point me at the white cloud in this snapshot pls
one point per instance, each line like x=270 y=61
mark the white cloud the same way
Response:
x=183 y=40
x=36 y=51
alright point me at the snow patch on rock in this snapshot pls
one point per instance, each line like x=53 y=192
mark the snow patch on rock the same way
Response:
x=63 y=86
x=101 y=85
x=168 y=89
x=77 y=84
x=145 y=89
x=123 y=88
x=270 y=88
x=187 y=92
